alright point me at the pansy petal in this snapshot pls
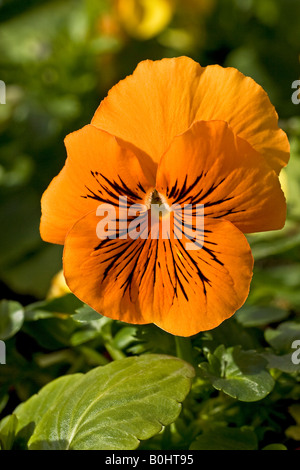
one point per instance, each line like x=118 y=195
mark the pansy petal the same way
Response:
x=99 y=168
x=120 y=278
x=159 y=280
x=228 y=95
x=161 y=99
x=211 y=283
x=210 y=165
x=99 y=272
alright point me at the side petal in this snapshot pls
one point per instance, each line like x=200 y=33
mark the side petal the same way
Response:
x=99 y=168
x=210 y=165
x=161 y=99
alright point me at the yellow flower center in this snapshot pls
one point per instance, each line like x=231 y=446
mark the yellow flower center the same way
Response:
x=157 y=202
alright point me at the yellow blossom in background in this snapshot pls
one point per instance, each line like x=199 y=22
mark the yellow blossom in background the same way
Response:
x=58 y=286
x=144 y=19
x=284 y=181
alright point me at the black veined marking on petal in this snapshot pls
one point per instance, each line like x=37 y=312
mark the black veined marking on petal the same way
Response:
x=145 y=265
x=166 y=263
x=177 y=280
x=135 y=253
x=216 y=203
x=188 y=226
x=159 y=265
x=183 y=266
x=126 y=255
x=182 y=190
x=180 y=283
x=170 y=193
x=114 y=243
x=124 y=251
x=92 y=195
x=183 y=195
x=153 y=246
x=212 y=255
x=114 y=190
x=189 y=259
x=154 y=274
x=128 y=229
x=140 y=186
x=209 y=242
x=227 y=212
x=199 y=198
x=128 y=192
x=113 y=258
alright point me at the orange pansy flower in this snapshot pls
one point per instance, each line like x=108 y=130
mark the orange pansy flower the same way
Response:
x=177 y=134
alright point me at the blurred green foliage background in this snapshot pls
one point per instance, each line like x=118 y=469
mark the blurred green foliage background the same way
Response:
x=59 y=59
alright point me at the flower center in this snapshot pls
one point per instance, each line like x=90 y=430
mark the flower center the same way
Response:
x=156 y=198
x=158 y=204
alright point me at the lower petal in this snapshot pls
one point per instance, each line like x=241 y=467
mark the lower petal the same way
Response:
x=160 y=281
x=212 y=282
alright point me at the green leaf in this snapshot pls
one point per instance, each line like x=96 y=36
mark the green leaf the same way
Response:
x=3 y=400
x=67 y=304
x=275 y=447
x=250 y=316
x=272 y=243
x=295 y=412
x=283 y=363
x=28 y=275
x=111 y=407
x=11 y=318
x=83 y=336
x=92 y=324
x=54 y=323
x=276 y=284
x=150 y=338
x=51 y=333
x=31 y=412
x=93 y=357
x=229 y=333
x=293 y=432
x=124 y=337
x=224 y=438
x=240 y=374
x=88 y=314
x=282 y=338
x=8 y=427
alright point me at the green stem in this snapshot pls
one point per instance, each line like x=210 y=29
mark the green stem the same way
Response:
x=113 y=352
x=184 y=349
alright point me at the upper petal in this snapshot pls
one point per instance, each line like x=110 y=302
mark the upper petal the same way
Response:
x=210 y=165
x=99 y=168
x=161 y=99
